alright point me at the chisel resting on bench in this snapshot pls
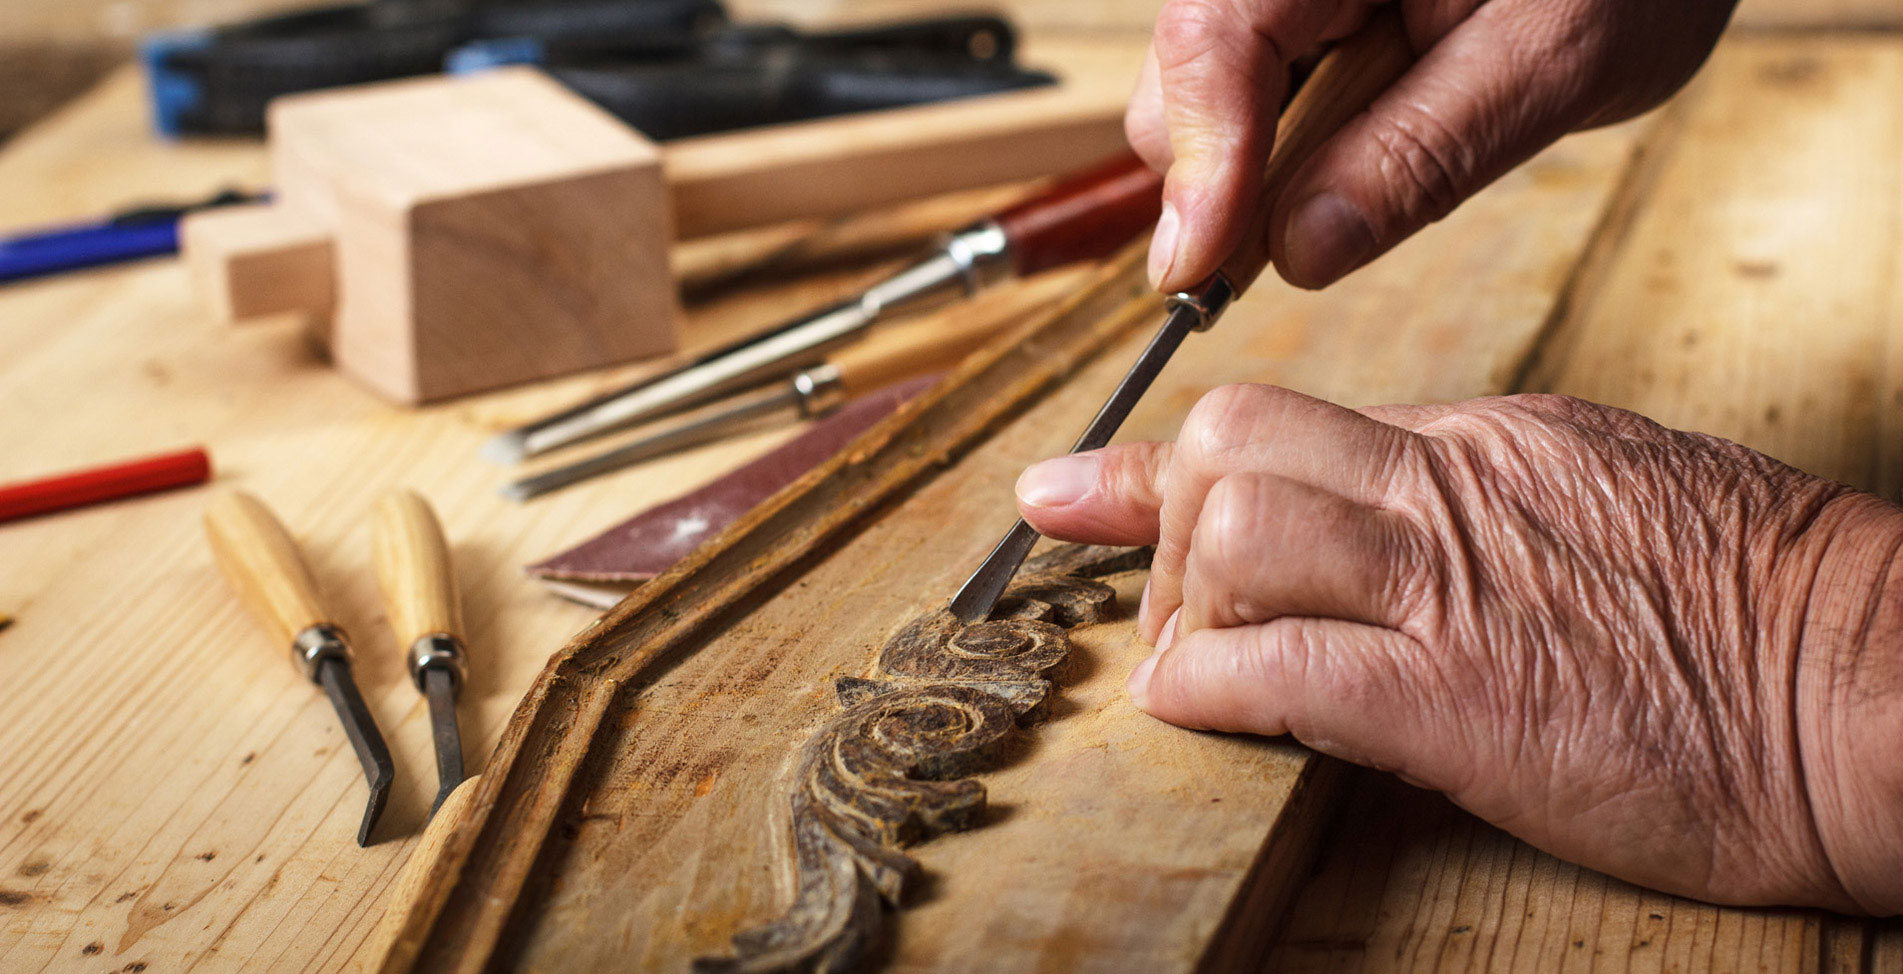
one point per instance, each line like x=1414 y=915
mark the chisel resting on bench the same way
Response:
x=1084 y=216
x=1344 y=84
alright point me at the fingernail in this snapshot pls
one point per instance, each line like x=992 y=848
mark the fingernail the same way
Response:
x=1327 y=237
x=1143 y=602
x=1138 y=685
x=1168 y=635
x=1057 y=482
x=1163 y=244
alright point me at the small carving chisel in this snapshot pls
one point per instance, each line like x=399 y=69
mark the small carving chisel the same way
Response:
x=889 y=355
x=413 y=569
x=1081 y=217
x=1343 y=84
x=265 y=566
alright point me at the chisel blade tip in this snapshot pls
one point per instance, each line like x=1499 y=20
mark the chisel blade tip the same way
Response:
x=517 y=492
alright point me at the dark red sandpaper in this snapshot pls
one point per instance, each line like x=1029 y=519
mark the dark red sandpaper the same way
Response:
x=652 y=541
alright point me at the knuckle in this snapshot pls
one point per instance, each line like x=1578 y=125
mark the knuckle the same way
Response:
x=1188 y=30
x=1427 y=166
x=1220 y=422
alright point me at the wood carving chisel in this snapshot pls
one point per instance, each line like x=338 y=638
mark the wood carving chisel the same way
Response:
x=1083 y=217
x=1343 y=84
x=890 y=355
x=265 y=566
x=413 y=569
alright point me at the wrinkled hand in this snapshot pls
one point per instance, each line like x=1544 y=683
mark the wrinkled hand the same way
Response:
x=1496 y=82
x=1654 y=653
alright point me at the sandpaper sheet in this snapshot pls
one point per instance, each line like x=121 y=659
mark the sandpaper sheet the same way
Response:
x=650 y=542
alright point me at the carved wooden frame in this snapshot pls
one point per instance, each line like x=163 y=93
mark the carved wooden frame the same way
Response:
x=465 y=898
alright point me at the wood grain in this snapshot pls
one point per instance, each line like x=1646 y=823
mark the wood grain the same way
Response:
x=644 y=826
x=174 y=794
x=1752 y=295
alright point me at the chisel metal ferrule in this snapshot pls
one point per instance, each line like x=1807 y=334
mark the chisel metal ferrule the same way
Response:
x=982 y=254
x=1208 y=299
x=438 y=651
x=316 y=643
x=820 y=390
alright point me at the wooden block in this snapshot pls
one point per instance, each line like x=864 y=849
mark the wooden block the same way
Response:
x=260 y=259
x=488 y=230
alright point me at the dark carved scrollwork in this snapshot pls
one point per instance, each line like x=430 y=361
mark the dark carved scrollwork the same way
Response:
x=891 y=769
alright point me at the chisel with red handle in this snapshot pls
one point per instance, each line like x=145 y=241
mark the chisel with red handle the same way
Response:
x=1085 y=216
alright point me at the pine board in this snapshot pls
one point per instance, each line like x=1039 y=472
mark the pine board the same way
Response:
x=663 y=846
x=1754 y=296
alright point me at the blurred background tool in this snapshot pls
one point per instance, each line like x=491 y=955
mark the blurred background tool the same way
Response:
x=419 y=589
x=1339 y=88
x=132 y=234
x=263 y=563
x=668 y=67
x=1084 y=216
x=735 y=76
x=217 y=81
x=887 y=356
x=165 y=471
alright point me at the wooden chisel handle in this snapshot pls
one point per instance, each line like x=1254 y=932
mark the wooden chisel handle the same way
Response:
x=1087 y=215
x=419 y=588
x=938 y=342
x=1344 y=84
x=264 y=565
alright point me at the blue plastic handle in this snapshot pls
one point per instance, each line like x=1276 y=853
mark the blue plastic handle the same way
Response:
x=90 y=245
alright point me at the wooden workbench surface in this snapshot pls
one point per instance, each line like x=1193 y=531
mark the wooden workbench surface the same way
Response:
x=173 y=796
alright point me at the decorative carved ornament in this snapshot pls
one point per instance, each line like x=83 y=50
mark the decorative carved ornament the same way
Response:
x=891 y=769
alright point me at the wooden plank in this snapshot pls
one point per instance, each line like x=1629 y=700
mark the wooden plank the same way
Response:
x=661 y=854
x=171 y=792
x=1754 y=296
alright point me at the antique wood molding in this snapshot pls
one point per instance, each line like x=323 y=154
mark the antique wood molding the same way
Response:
x=891 y=769
x=460 y=913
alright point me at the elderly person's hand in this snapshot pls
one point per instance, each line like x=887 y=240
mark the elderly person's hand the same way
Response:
x=1497 y=81
x=1654 y=653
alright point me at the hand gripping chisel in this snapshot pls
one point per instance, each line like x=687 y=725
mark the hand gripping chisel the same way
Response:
x=413 y=570
x=1345 y=83
x=264 y=565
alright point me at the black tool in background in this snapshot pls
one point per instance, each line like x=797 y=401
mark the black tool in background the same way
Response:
x=670 y=68
x=217 y=81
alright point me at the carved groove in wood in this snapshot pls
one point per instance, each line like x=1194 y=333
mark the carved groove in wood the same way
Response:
x=890 y=770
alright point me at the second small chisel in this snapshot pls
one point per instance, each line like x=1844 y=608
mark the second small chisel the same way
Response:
x=419 y=590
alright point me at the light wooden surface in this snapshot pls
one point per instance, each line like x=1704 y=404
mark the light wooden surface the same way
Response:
x=173 y=793
x=1754 y=294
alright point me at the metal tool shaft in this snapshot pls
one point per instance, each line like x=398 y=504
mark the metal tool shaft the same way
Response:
x=747 y=409
x=439 y=686
x=333 y=674
x=964 y=265
x=1192 y=311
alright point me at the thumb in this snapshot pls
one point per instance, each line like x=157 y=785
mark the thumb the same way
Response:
x=1223 y=68
x=1498 y=87
x=1107 y=496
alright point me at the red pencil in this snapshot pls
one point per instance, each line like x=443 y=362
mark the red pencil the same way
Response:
x=82 y=487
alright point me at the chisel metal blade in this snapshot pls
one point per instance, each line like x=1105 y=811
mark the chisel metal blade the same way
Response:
x=378 y=770
x=439 y=685
x=981 y=591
